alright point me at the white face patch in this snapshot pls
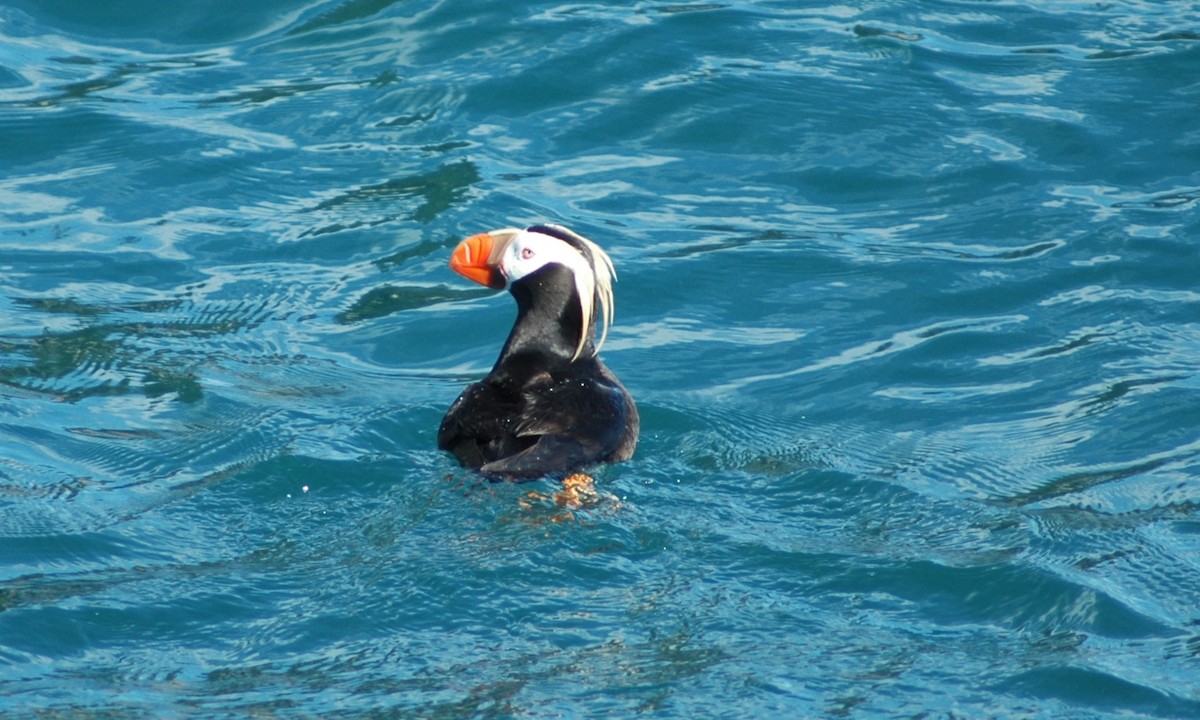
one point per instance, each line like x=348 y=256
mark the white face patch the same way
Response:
x=528 y=251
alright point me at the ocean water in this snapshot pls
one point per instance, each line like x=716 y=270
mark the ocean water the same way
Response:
x=908 y=299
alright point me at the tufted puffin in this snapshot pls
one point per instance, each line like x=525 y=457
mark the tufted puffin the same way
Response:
x=549 y=405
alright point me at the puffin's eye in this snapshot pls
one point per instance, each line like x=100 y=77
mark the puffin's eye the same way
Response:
x=527 y=253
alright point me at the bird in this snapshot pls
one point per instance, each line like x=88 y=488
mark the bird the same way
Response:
x=549 y=406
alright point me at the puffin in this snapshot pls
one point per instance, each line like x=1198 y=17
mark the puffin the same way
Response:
x=549 y=406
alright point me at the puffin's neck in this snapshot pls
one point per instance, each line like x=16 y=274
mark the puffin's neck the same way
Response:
x=547 y=327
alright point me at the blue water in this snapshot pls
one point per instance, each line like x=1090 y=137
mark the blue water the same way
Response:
x=908 y=301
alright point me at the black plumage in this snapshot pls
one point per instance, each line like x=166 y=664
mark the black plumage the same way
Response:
x=549 y=405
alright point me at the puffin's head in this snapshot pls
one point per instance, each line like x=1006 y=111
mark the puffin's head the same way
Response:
x=500 y=258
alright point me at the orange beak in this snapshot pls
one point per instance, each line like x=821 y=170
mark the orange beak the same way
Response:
x=474 y=260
